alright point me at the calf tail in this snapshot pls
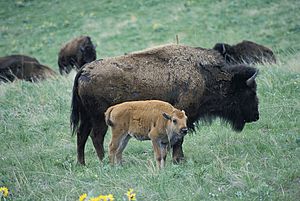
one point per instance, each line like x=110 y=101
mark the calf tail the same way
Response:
x=108 y=117
x=76 y=106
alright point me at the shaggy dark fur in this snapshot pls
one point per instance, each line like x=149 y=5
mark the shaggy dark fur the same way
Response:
x=193 y=79
x=245 y=52
x=23 y=67
x=75 y=54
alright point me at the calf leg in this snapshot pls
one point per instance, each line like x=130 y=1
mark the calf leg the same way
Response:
x=121 y=148
x=98 y=134
x=115 y=145
x=163 y=152
x=157 y=152
x=82 y=135
x=177 y=151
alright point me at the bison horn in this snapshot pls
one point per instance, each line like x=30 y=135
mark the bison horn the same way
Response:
x=223 y=48
x=250 y=81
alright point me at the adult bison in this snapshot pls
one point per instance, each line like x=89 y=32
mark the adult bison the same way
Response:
x=245 y=52
x=23 y=67
x=193 y=79
x=75 y=54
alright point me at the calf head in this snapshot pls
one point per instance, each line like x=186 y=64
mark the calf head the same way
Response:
x=176 y=125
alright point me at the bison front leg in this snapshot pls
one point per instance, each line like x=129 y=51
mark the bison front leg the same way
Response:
x=177 y=151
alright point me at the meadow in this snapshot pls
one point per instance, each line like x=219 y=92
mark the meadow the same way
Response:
x=38 y=153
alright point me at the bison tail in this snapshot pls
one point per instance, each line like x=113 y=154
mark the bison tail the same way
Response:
x=76 y=105
x=108 y=117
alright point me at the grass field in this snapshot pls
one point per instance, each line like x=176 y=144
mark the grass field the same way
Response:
x=38 y=153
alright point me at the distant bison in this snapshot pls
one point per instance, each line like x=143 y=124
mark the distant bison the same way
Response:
x=153 y=120
x=23 y=67
x=245 y=52
x=193 y=79
x=75 y=54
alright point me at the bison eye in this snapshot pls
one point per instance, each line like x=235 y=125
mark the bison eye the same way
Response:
x=174 y=121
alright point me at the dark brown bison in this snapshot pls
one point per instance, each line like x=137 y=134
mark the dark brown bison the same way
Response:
x=23 y=67
x=7 y=61
x=75 y=54
x=195 y=80
x=245 y=52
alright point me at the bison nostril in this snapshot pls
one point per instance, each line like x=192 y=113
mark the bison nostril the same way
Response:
x=184 y=130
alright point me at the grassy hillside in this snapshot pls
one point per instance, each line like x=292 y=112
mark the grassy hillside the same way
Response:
x=38 y=154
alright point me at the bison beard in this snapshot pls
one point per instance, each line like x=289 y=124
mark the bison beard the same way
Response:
x=196 y=80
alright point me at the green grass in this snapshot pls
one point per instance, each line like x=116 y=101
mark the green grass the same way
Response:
x=38 y=154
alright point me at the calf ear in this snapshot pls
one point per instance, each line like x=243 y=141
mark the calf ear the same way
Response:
x=166 y=116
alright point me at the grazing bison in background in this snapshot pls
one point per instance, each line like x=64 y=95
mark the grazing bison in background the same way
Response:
x=153 y=120
x=7 y=61
x=23 y=67
x=75 y=54
x=193 y=79
x=245 y=52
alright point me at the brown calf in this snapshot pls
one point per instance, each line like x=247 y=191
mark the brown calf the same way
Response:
x=153 y=120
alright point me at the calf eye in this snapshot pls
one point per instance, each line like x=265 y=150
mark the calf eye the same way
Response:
x=174 y=121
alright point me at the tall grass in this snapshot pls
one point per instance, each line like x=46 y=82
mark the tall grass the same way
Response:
x=38 y=154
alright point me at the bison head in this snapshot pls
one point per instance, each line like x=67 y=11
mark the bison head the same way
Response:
x=242 y=98
x=88 y=53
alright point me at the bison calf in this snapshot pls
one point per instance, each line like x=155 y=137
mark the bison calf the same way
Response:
x=75 y=54
x=153 y=120
x=245 y=52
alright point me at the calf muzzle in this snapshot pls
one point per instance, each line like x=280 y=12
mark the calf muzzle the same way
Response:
x=184 y=131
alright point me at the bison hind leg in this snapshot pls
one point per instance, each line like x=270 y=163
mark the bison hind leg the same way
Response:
x=98 y=134
x=82 y=136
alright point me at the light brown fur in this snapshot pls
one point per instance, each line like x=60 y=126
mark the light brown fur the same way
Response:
x=144 y=120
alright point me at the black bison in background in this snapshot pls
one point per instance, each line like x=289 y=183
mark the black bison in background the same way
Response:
x=195 y=80
x=75 y=54
x=23 y=67
x=245 y=52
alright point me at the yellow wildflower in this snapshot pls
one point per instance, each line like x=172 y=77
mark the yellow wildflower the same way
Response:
x=110 y=197
x=82 y=197
x=95 y=199
x=4 y=191
x=130 y=194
